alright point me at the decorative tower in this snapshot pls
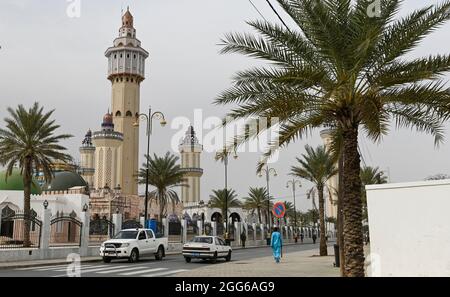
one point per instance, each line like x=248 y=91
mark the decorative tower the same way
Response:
x=190 y=150
x=126 y=71
x=107 y=143
x=87 y=152
x=333 y=182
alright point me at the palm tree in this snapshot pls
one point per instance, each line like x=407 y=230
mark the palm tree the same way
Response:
x=370 y=176
x=165 y=175
x=220 y=200
x=29 y=142
x=256 y=201
x=340 y=67
x=317 y=166
x=290 y=213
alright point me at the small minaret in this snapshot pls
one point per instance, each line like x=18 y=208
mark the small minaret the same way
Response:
x=126 y=71
x=190 y=150
x=87 y=152
x=107 y=143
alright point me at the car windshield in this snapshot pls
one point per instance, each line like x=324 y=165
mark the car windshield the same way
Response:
x=202 y=239
x=126 y=235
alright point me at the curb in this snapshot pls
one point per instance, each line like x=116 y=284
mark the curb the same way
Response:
x=27 y=265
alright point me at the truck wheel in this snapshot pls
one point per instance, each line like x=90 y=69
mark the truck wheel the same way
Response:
x=160 y=254
x=228 y=257
x=214 y=258
x=187 y=259
x=134 y=256
x=106 y=259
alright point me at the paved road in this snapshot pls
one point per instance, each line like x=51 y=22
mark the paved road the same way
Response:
x=146 y=267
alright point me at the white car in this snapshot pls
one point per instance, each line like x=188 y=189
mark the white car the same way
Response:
x=206 y=247
x=133 y=243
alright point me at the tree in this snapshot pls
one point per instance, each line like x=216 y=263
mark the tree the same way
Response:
x=29 y=142
x=290 y=212
x=219 y=200
x=256 y=201
x=370 y=176
x=317 y=166
x=340 y=67
x=164 y=174
x=439 y=176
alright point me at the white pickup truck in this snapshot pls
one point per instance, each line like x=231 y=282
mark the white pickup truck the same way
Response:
x=133 y=243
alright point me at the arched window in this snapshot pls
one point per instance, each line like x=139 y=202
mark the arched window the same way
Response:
x=118 y=113
x=129 y=114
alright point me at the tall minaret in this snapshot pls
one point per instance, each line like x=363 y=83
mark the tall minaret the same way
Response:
x=87 y=152
x=333 y=182
x=126 y=71
x=190 y=150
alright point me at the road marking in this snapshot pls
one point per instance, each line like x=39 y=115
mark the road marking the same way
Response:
x=42 y=267
x=164 y=273
x=102 y=269
x=85 y=267
x=122 y=269
x=142 y=271
x=61 y=268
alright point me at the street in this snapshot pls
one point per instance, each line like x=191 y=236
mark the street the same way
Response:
x=146 y=267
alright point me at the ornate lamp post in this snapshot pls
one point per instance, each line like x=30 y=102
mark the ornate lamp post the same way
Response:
x=223 y=156
x=149 y=118
x=268 y=171
x=292 y=183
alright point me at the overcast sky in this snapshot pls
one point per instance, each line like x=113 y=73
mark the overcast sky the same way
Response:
x=49 y=57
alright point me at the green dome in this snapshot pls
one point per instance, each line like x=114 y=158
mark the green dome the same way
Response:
x=65 y=180
x=15 y=182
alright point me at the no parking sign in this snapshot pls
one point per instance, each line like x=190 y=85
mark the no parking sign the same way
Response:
x=279 y=210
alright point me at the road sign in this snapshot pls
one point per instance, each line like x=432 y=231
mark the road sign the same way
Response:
x=279 y=210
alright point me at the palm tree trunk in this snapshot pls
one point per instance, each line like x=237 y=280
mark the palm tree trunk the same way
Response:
x=27 y=180
x=323 y=242
x=340 y=217
x=352 y=206
x=259 y=215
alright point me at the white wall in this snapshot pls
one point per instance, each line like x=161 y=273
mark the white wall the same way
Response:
x=409 y=227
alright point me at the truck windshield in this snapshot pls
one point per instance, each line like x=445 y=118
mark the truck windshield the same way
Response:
x=203 y=239
x=126 y=235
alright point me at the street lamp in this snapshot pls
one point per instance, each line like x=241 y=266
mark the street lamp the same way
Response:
x=293 y=182
x=268 y=171
x=149 y=118
x=223 y=156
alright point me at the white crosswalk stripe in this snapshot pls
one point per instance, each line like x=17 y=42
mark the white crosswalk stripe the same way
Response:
x=142 y=271
x=41 y=267
x=121 y=270
x=164 y=273
x=85 y=267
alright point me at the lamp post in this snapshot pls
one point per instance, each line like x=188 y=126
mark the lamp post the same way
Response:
x=223 y=155
x=292 y=183
x=268 y=171
x=149 y=118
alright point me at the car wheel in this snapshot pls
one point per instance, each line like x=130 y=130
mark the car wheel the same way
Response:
x=134 y=256
x=106 y=259
x=214 y=258
x=228 y=257
x=187 y=259
x=160 y=254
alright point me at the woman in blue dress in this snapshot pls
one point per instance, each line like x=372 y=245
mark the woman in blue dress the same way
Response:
x=276 y=243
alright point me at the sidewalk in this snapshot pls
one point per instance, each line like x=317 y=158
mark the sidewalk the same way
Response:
x=296 y=264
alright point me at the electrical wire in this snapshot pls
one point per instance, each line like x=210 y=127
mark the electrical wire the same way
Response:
x=256 y=8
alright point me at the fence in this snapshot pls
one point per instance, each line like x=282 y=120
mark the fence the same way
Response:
x=192 y=230
x=208 y=229
x=65 y=230
x=131 y=224
x=175 y=232
x=13 y=230
x=100 y=229
x=220 y=229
